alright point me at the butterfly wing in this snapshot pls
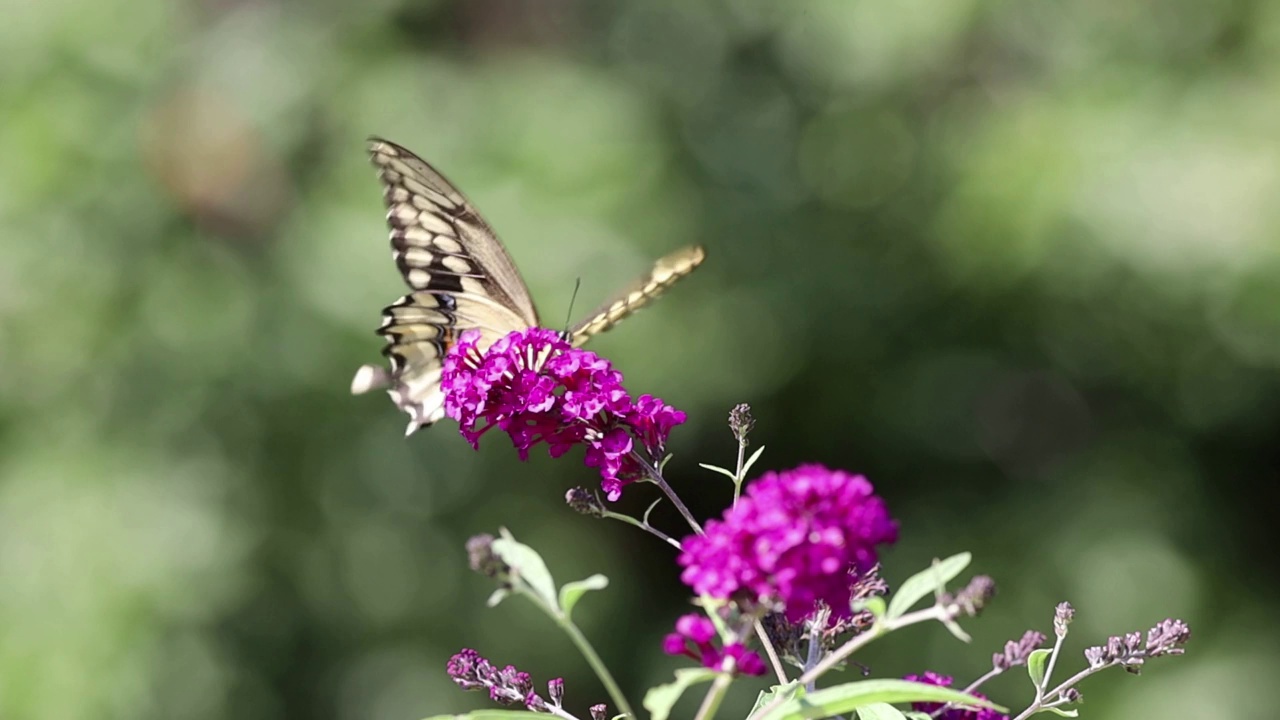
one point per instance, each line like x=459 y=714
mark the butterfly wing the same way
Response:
x=460 y=277
x=666 y=271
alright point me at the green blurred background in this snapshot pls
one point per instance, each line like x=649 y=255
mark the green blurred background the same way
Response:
x=1016 y=261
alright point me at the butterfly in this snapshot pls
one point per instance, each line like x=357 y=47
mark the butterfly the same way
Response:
x=461 y=278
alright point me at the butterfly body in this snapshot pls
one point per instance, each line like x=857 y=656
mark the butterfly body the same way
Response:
x=462 y=278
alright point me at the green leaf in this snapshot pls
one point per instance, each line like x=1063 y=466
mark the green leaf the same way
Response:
x=746 y=466
x=880 y=711
x=1059 y=711
x=527 y=567
x=917 y=715
x=652 y=505
x=951 y=625
x=852 y=696
x=717 y=468
x=659 y=700
x=925 y=582
x=491 y=715
x=874 y=605
x=666 y=459
x=1036 y=663
x=768 y=696
x=572 y=592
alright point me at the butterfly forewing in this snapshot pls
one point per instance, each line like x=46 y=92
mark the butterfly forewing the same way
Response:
x=461 y=278
x=439 y=240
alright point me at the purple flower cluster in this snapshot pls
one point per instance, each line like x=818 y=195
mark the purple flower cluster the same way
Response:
x=507 y=686
x=1018 y=652
x=792 y=541
x=1167 y=638
x=693 y=637
x=932 y=678
x=536 y=387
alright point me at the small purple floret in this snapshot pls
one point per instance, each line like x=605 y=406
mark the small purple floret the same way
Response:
x=693 y=638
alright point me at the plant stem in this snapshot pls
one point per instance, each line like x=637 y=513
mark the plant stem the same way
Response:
x=1048 y=671
x=814 y=654
x=584 y=647
x=769 y=650
x=715 y=694
x=972 y=686
x=1048 y=699
x=602 y=672
x=935 y=612
x=737 y=476
x=645 y=527
x=561 y=713
x=661 y=482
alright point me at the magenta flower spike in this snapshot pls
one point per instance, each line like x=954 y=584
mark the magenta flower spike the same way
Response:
x=534 y=386
x=791 y=542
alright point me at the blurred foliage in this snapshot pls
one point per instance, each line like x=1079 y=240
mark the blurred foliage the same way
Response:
x=1016 y=261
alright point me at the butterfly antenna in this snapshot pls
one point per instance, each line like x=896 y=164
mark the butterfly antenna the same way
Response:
x=576 y=285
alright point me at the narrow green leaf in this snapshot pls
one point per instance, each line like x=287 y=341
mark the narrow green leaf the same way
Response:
x=666 y=459
x=717 y=468
x=951 y=625
x=926 y=582
x=767 y=696
x=746 y=466
x=659 y=700
x=652 y=505
x=874 y=605
x=917 y=715
x=572 y=592
x=527 y=567
x=491 y=715
x=1059 y=711
x=880 y=711
x=1036 y=664
x=852 y=696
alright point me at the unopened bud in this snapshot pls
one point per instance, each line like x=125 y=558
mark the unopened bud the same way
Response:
x=584 y=501
x=483 y=559
x=741 y=422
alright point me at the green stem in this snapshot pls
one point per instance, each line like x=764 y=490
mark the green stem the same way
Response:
x=737 y=476
x=602 y=672
x=661 y=482
x=1048 y=671
x=968 y=690
x=1053 y=697
x=645 y=527
x=584 y=647
x=711 y=703
x=774 y=661
x=935 y=612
